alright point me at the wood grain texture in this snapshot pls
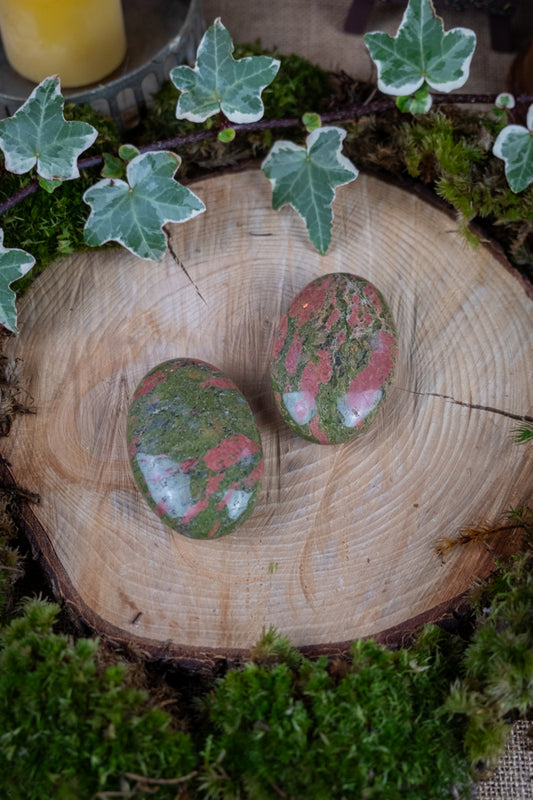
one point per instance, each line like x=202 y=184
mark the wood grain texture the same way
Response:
x=342 y=541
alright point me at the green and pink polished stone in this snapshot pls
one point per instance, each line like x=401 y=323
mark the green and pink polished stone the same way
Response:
x=333 y=358
x=194 y=448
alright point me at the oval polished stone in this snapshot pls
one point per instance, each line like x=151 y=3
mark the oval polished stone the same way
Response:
x=194 y=448
x=333 y=358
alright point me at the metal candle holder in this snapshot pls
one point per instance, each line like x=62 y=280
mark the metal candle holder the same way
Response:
x=150 y=56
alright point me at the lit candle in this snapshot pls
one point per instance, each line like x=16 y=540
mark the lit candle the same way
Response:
x=82 y=41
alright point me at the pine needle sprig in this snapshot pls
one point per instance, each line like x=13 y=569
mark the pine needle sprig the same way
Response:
x=516 y=520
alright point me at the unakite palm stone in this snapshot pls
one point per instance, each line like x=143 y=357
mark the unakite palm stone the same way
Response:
x=333 y=358
x=194 y=448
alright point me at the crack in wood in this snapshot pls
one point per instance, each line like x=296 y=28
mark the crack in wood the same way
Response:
x=182 y=265
x=474 y=406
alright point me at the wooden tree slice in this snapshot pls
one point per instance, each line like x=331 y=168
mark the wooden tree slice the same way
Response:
x=342 y=541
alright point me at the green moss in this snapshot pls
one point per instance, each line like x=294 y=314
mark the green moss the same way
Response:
x=11 y=565
x=450 y=150
x=377 y=729
x=496 y=683
x=70 y=727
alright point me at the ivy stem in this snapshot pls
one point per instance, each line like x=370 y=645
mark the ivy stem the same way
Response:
x=351 y=112
x=16 y=198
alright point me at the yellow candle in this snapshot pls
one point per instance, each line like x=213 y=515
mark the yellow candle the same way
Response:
x=82 y=41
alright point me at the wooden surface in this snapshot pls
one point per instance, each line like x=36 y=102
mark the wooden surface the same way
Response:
x=342 y=541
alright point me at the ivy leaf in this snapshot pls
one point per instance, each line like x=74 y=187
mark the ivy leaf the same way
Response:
x=220 y=83
x=306 y=177
x=311 y=120
x=421 y=52
x=226 y=135
x=49 y=186
x=133 y=212
x=13 y=264
x=113 y=167
x=127 y=152
x=505 y=100
x=38 y=134
x=418 y=103
x=514 y=144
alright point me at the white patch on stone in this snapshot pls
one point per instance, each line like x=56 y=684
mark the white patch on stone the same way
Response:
x=237 y=503
x=366 y=402
x=166 y=483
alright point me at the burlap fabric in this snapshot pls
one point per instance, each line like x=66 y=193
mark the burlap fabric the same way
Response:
x=513 y=777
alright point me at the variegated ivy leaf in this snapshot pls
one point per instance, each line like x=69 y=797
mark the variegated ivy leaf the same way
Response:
x=505 y=100
x=13 y=264
x=38 y=134
x=514 y=144
x=133 y=212
x=306 y=177
x=218 y=82
x=421 y=52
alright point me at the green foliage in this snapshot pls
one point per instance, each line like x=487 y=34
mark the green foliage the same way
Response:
x=70 y=727
x=311 y=121
x=218 y=82
x=498 y=664
x=13 y=264
x=226 y=135
x=48 y=229
x=418 y=103
x=452 y=152
x=421 y=53
x=43 y=228
x=515 y=146
x=133 y=212
x=11 y=564
x=38 y=135
x=388 y=725
x=307 y=177
x=299 y=87
x=524 y=433
x=293 y=727
x=434 y=140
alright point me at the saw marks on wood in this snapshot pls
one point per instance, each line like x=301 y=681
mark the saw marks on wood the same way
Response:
x=342 y=541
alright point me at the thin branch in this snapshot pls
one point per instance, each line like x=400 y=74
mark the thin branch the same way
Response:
x=16 y=198
x=160 y=781
x=346 y=114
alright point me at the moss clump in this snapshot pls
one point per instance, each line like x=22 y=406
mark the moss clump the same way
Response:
x=287 y=726
x=11 y=562
x=68 y=726
x=450 y=151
